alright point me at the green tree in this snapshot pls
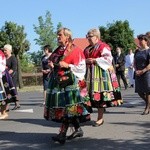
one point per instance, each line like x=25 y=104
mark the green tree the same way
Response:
x=45 y=30
x=59 y=25
x=13 y=34
x=119 y=34
x=27 y=66
x=36 y=57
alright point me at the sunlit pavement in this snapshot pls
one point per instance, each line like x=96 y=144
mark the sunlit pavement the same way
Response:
x=124 y=127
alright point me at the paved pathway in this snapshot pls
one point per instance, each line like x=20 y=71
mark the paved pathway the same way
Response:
x=124 y=128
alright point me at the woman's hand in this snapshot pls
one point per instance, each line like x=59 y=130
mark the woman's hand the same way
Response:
x=90 y=61
x=117 y=65
x=140 y=72
x=45 y=71
x=50 y=63
x=63 y=64
x=10 y=71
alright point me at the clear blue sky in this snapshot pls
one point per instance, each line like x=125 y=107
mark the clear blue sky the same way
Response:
x=78 y=15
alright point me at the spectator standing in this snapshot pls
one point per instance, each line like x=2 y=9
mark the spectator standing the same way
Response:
x=129 y=59
x=45 y=68
x=119 y=59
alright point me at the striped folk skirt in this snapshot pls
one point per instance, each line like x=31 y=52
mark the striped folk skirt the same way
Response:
x=103 y=87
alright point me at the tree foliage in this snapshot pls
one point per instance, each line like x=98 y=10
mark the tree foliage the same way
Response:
x=36 y=57
x=27 y=65
x=47 y=35
x=118 y=34
x=13 y=34
x=59 y=25
x=45 y=30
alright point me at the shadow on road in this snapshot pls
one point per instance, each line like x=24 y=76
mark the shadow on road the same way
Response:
x=31 y=141
x=41 y=122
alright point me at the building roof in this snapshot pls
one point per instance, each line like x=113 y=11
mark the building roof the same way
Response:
x=83 y=42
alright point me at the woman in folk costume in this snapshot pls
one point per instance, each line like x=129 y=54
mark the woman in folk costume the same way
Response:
x=103 y=87
x=3 y=97
x=7 y=90
x=67 y=98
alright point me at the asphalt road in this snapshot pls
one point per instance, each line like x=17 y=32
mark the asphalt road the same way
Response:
x=123 y=129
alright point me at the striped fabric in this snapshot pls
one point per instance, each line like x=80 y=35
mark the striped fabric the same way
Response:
x=103 y=87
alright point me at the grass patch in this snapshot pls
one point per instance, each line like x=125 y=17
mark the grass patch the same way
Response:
x=31 y=89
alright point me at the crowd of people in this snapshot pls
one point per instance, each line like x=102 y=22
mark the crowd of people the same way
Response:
x=75 y=81
x=81 y=80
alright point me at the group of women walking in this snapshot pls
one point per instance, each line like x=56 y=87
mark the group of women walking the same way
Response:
x=79 y=81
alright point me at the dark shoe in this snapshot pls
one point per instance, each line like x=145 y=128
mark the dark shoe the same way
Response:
x=145 y=113
x=16 y=107
x=77 y=133
x=7 y=110
x=126 y=87
x=131 y=86
x=61 y=138
x=98 y=124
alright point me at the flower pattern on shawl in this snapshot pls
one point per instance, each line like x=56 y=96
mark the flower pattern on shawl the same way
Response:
x=61 y=73
x=82 y=84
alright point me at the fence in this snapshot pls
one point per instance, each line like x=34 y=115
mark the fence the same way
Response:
x=30 y=79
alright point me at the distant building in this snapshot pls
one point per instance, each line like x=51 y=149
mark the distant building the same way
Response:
x=83 y=42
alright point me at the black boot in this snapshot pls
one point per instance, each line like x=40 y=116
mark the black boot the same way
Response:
x=77 y=133
x=61 y=138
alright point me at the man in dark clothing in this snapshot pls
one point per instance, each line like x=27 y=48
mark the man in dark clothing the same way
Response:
x=119 y=60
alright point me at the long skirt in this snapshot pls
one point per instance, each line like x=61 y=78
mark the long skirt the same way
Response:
x=3 y=96
x=103 y=87
x=65 y=102
x=8 y=91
